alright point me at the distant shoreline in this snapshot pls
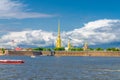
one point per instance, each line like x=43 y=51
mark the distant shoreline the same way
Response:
x=65 y=53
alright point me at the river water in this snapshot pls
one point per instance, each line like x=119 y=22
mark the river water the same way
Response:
x=61 y=68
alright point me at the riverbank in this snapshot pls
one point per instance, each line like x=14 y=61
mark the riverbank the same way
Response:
x=63 y=53
x=88 y=53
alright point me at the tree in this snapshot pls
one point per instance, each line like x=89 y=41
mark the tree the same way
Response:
x=41 y=49
x=59 y=49
x=46 y=49
x=76 y=49
x=99 y=49
x=91 y=49
x=72 y=49
x=38 y=49
x=3 y=50
x=115 y=49
x=79 y=49
x=109 y=49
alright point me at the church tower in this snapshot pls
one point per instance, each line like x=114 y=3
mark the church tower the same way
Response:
x=85 y=47
x=69 y=45
x=58 y=41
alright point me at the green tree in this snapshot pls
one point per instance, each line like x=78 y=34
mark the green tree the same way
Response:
x=38 y=49
x=46 y=49
x=72 y=49
x=79 y=49
x=76 y=49
x=3 y=50
x=99 y=49
x=109 y=49
x=115 y=49
x=59 y=49
x=41 y=49
x=91 y=49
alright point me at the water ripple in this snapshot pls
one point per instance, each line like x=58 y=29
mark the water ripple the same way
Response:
x=63 y=68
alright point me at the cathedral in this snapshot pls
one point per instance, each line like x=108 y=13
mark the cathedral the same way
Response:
x=58 y=41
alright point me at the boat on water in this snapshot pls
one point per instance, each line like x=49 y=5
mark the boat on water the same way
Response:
x=33 y=56
x=11 y=61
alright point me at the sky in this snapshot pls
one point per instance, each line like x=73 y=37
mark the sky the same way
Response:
x=34 y=23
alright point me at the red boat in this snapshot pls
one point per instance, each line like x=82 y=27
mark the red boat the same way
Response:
x=11 y=61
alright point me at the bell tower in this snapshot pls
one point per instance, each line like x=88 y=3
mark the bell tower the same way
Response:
x=58 y=41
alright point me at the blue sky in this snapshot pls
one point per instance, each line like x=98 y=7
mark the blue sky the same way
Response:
x=32 y=15
x=72 y=13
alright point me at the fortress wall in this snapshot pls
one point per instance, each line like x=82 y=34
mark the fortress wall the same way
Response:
x=103 y=53
x=69 y=53
x=87 y=53
x=63 y=53
x=23 y=53
x=20 y=53
x=46 y=53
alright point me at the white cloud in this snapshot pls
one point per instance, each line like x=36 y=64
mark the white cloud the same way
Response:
x=95 y=32
x=32 y=38
x=14 y=9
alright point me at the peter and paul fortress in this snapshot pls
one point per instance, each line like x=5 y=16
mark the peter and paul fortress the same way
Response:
x=67 y=52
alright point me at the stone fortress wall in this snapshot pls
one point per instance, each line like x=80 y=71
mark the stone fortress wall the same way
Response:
x=62 y=53
x=87 y=53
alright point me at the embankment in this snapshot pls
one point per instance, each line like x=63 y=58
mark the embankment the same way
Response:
x=63 y=53
x=87 y=53
x=23 y=53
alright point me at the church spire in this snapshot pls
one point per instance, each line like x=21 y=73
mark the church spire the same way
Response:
x=58 y=27
x=58 y=41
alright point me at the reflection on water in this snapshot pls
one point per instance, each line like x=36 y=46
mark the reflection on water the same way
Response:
x=61 y=68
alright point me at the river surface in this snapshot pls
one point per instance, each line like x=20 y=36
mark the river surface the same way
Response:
x=61 y=68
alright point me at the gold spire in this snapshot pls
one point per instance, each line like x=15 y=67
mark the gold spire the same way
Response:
x=58 y=41
x=58 y=27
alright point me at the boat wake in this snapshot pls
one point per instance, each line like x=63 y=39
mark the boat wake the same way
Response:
x=110 y=70
x=33 y=56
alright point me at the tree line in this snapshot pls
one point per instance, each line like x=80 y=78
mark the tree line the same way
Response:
x=75 y=49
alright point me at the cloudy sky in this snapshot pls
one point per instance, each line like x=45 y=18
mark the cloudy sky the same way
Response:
x=33 y=23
